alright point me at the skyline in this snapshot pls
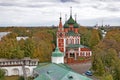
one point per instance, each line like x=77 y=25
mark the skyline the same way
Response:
x=47 y=12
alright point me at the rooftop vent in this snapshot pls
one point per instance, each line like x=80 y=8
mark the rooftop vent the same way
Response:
x=48 y=72
x=70 y=77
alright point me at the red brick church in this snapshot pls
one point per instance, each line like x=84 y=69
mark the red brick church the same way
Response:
x=68 y=41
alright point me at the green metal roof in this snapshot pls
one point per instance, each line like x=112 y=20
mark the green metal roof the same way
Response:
x=66 y=25
x=70 y=20
x=53 y=71
x=76 y=25
x=72 y=33
x=57 y=53
x=42 y=77
x=75 y=46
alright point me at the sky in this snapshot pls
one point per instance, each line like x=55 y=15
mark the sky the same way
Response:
x=47 y=12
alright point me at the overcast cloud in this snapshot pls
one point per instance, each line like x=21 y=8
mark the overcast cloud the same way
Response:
x=47 y=12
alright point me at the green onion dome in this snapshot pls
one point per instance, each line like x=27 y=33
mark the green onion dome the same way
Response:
x=76 y=25
x=71 y=20
x=66 y=25
x=57 y=53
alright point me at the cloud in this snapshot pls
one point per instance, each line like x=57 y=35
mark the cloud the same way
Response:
x=46 y=12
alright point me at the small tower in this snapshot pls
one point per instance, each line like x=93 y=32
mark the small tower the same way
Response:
x=60 y=37
x=57 y=56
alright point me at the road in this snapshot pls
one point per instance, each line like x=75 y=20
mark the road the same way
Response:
x=82 y=68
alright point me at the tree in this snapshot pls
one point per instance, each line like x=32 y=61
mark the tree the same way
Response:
x=44 y=47
x=29 y=48
x=98 y=66
x=94 y=39
x=107 y=77
x=2 y=74
x=110 y=57
x=116 y=69
x=17 y=53
x=85 y=35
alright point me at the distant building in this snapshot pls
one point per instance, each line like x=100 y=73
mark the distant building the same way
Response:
x=103 y=32
x=68 y=41
x=19 y=38
x=96 y=26
x=18 y=66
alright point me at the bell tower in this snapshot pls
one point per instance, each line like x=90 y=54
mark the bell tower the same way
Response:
x=61 y=36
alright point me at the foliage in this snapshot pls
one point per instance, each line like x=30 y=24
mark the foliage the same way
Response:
x=106 y=56
x=10 y=48
x=44 y=47
x=28 y=48
x=40 y=43
x=107 y=77
x=85 y=35
x=2 y=74
x=94 y=39
x=21 y=78
x=11 y=77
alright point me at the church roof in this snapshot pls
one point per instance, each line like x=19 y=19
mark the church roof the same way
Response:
x=72 y=33
x=76 y=25
x=66 y=25
x=57 y=53
x=75 y=46
x=53 y=71
x=70 y=20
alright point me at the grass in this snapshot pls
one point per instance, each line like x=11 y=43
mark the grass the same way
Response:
x=16 y=78
x=11 y=77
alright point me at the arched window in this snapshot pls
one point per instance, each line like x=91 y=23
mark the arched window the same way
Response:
x=77 y=41
x=72 y=41
x=72 y=55
x=66 y=41
x=27 y=71
x=15 y=71
x=6 y=72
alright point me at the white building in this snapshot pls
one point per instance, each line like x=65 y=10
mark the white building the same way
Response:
x=57 y=56
x=18 y=66
x=19 y=38
x=103 y=33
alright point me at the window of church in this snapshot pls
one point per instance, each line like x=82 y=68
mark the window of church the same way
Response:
x=77 y=41
x=72 y=41
x=82 y=54
x=72 y=55
x=67 y=41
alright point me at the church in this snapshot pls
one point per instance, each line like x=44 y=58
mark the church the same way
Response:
x=68 y=41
